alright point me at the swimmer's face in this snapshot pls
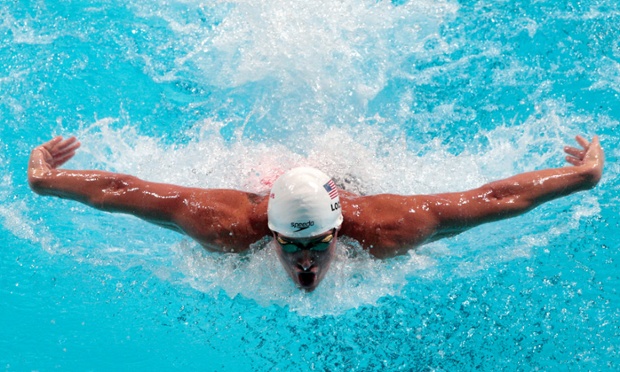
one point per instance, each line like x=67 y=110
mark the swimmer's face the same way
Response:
x=306 y=260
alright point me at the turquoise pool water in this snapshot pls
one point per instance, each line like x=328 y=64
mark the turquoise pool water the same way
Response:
x=402 y=96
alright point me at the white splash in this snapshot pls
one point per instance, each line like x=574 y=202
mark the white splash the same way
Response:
x=316 y=61
x=26 y=30
x=354 y=279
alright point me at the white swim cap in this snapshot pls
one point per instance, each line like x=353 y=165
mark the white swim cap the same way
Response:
x=303 y=202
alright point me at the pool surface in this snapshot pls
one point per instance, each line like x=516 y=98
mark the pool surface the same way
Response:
x=402 y=97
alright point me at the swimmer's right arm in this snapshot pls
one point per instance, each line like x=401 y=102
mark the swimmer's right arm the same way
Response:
x=218 y=219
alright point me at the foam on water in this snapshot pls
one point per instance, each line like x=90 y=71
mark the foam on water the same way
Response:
x=297 y=62
x=354 y=279
x=26 y=30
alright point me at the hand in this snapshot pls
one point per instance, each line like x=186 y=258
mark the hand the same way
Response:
x=53 y=154
x=591 y=157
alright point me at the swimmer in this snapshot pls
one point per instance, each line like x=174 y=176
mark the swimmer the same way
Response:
x=305 y=212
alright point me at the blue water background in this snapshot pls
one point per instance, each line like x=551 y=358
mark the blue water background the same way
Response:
x=495 y=86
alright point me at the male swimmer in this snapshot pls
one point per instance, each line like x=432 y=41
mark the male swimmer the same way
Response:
x=305 y=212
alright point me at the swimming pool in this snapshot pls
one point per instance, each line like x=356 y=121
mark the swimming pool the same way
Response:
x=401 y=96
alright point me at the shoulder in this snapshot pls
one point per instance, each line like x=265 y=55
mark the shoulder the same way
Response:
x=222 y=219
x=388 y=224
x=223 y=204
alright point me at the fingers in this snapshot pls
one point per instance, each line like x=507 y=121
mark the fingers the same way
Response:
x=65 y=150
x=58 y=151
x=68 y=145
x=574 y=161
x=591 y=151
x=49 y=145
x=574 y=152
x=582 y=141
x=577 y=155
x=58 y=145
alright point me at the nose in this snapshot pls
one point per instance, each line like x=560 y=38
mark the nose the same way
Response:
x=305 y=262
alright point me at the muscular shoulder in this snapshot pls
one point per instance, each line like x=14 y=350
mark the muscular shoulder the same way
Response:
x=224 y=220
x=388 y=224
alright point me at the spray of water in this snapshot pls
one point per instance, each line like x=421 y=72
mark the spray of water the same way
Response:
x=297 y=63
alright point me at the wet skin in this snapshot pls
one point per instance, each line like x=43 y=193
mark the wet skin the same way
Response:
x=306 y=267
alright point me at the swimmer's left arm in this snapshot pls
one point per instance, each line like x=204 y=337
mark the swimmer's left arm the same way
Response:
x=389 y=225
x=516 y=195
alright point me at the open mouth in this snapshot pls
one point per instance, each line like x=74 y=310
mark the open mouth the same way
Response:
x=306 y=279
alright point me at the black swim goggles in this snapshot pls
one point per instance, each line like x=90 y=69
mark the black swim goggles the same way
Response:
x=320 y=244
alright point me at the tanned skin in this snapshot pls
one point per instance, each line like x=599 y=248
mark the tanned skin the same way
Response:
x=386 y=225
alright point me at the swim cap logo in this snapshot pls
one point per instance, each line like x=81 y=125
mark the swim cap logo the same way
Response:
x=300 y=226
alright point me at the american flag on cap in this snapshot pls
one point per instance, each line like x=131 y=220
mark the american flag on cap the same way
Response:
x=331 y=189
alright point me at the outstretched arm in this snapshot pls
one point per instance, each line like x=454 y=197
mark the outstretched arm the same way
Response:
x=389 y=225
x=513 y=196
x=218 y=219
x=111 y=192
